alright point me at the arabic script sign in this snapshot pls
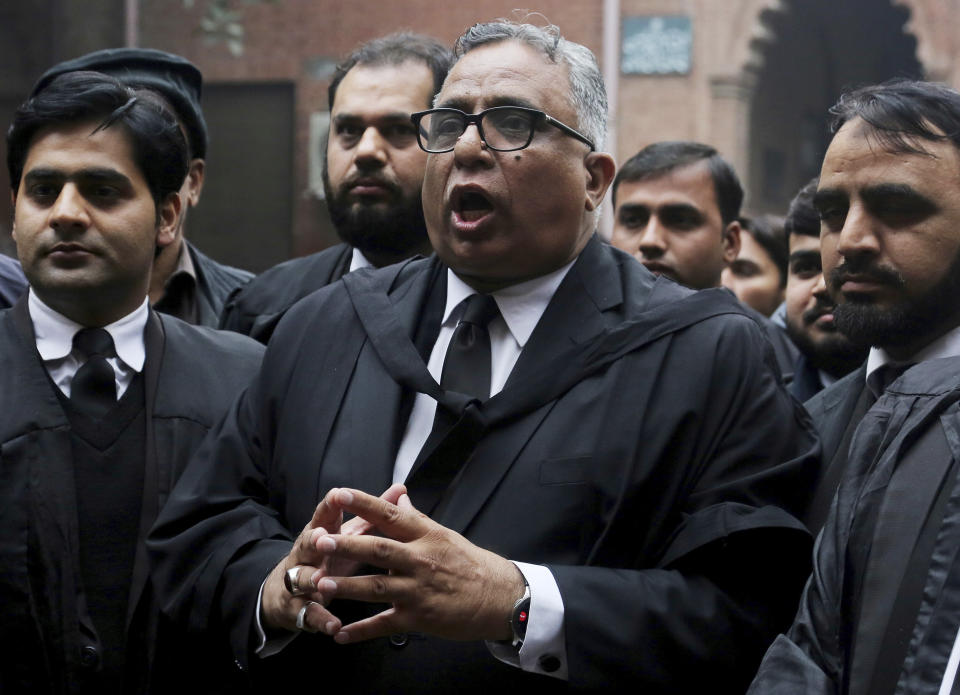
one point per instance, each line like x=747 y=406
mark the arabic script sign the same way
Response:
x=656 y=45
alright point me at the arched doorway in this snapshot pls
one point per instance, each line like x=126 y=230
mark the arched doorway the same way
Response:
x=816 y=50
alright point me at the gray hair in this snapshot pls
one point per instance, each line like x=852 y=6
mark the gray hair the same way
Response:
x=588 y=95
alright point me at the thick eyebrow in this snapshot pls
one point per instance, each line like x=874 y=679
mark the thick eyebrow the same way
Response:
x=460 y=103
x=804 y=255
x=392 y=117
x=900 y=193
x=95 y=174
x=825 y=197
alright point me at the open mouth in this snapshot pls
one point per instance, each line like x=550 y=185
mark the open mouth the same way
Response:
x=472 y=206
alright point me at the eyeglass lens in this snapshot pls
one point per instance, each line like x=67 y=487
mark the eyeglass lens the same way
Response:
x=503 y=128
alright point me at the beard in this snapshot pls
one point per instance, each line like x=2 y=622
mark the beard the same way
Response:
x=394 y=229
x=904 y=322
x=834 y=353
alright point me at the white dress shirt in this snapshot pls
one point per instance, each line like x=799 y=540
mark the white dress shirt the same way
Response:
x=54 y=335
x=358 y=260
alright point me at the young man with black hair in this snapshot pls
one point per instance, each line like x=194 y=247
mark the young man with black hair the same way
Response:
x=372 y=175
x=676 y=210
x=185 y=282
x=104 y=399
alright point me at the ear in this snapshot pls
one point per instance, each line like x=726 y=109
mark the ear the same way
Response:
x=13 y=202
x=193 y=184
x=600 y=169
x=168 y=217
x=731 y=242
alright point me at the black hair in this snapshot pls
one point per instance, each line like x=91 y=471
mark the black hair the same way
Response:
x=902 y=111
x=802 y=216
x=660 y=158
x=768 y=232
x=158 y=145
x=395 y=49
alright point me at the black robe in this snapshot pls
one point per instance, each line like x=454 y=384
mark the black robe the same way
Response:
x=658 y=488
x=257 y=308
x=881 y=532
x=190 y=376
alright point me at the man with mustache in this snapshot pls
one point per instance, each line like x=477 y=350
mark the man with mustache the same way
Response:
x=372 y=175
x=598 y=466
x=826 y=354
x=880 y=611
x=892 y=264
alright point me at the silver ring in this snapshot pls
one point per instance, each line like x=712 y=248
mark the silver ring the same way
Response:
x=303 y=614
x=290 y=581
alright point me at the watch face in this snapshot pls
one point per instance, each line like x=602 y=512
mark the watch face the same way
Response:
x=521 y=613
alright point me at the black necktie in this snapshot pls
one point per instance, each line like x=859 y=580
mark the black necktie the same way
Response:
x=466 y=367
x=94 y=388
x=885 y=375
x=466 y=370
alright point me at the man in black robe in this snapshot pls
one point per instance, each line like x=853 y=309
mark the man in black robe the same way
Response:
x=880 y=612
x=103 y=399
x=627 y=445
x=372 y=175
x=185 y=282
x=887 y=255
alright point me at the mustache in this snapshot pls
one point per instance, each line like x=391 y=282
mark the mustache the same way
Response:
x=823 y=306
x=864 y=269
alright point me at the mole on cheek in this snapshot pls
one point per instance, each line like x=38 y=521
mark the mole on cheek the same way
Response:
x=516 y=158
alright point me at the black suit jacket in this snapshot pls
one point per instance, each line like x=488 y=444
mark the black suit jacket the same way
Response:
x=257 y=308
x=190 y=377
x=657 y=488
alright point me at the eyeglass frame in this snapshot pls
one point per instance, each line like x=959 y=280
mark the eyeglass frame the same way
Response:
x=475 y=118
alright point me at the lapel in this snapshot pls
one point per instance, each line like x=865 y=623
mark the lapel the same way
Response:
x=398 y=323
x=157 y=471
x=574 y=315
x=837 y=404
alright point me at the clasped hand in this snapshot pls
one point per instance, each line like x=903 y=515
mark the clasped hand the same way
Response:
x=437 y=583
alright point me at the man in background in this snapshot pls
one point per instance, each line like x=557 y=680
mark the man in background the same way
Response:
x=185 y=282
x=826 y=354
x=676 y=210
x=372 y=175
x=758 y=275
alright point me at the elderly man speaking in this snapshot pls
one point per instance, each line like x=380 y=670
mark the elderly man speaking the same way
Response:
x=591 y=473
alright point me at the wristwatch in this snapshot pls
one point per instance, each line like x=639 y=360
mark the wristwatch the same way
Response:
x=520 y=617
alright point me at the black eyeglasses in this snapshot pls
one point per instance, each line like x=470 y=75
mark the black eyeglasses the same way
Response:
x=502 y=128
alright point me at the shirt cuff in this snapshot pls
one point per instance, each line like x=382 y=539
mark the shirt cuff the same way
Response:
x=543 y=649
x=268 y=646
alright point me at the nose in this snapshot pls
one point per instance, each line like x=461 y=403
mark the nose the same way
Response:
x=653 y=241
x=470 y=149
x=858 y=236
x=820 y=288
x=68 y=211
x=370 y=150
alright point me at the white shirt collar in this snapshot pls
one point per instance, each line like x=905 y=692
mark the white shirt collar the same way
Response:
x=947 y=345
x=521 y=305
x=54 y=333
x=358 y=260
